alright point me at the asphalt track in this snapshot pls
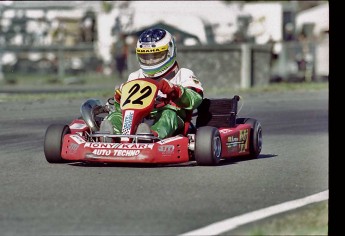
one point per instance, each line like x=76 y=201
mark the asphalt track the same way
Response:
x=38 y=198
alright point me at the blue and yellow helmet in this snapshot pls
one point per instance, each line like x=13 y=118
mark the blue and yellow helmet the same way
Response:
x=156 y=52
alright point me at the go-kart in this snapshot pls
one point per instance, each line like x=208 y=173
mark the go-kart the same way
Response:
x=211 y=133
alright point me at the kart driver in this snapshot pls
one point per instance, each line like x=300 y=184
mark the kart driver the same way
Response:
x=179 y=84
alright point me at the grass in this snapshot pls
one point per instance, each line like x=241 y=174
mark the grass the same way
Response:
x=273 y=87
x=81 y=86
x=309 y=220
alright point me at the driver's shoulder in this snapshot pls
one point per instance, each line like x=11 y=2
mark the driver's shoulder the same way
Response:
x=185 y=72
x=135 y=75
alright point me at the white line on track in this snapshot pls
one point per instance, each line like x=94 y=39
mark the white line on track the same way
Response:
x=232 y=223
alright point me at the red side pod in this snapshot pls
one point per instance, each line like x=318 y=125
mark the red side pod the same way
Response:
x=73 y=147
x=235 y=141
x=172 y=150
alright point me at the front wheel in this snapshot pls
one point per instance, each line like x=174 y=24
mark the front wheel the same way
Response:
x=208 y=146
x=53 y=142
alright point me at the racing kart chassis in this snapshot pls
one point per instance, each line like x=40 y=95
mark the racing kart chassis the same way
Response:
x=213 y=133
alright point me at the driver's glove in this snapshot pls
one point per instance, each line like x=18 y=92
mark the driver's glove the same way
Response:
x=172 y=91
x=117 y=95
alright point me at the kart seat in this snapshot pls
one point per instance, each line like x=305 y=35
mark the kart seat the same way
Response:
x=217 y=112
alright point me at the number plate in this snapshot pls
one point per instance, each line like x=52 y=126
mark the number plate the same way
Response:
x=137 y=94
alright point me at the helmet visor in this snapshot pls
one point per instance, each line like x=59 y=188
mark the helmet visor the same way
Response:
x=152 y=56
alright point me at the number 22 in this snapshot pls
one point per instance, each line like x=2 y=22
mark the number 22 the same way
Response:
x=146 y=91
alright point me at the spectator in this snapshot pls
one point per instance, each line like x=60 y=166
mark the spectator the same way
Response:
x=120 y=53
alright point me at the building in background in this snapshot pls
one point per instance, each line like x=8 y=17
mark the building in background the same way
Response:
x=312 y=26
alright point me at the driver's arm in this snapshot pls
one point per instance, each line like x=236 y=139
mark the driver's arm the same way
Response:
x=190 y=98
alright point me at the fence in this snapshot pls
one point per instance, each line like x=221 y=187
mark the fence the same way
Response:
x=235 y=66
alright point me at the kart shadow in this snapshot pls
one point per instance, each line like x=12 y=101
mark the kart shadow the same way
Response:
x=235 y=160
x=223 y=162
x=132 y=165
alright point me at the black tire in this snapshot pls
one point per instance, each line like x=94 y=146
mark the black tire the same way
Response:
x=255 y=139
x=53 y=142
x=208 y=146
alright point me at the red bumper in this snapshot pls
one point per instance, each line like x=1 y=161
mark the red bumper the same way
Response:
x=171 y=150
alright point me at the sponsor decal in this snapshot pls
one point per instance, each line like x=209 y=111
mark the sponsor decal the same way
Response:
x=126 y=153
x=73 y=147
x=193 y=77
x=127 y=122
x=145 y=49
x=244 y=140
x=241 y=142
x=232 y=142
x=166 y=149
x=101 y=145
x=101 y=152
x=78 y=126
x=116 y=153
x=119 y=145
x=148 y=50
x=225 y=131
x=77 y=139
x=135 y=145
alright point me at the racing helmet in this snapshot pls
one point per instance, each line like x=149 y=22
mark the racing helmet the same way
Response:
x=156 y=52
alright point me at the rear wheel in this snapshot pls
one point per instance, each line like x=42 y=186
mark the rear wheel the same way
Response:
x=255 y=139
x=53 y=142
x=208 y=146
